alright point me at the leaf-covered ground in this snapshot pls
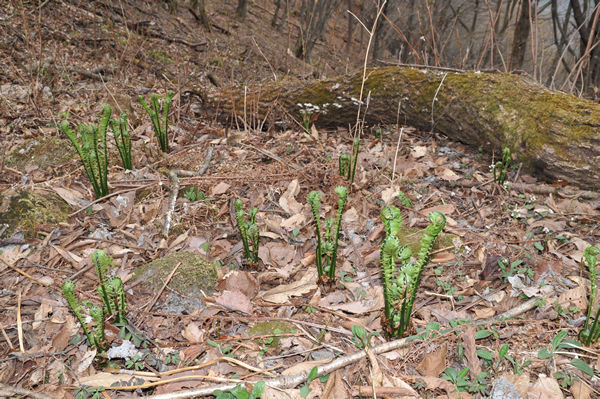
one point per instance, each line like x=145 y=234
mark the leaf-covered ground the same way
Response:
x=515 y=249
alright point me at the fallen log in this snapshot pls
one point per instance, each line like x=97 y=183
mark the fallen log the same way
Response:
x=555 y=135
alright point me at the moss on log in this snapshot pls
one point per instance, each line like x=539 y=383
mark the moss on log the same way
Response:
x=555 y=135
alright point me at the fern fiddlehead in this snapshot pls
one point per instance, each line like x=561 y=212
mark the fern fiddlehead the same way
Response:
x=314 y=199
x=400 y=284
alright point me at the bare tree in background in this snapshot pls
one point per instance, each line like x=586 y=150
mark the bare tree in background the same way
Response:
x=314 y=15
x=198 y=10
x=285 y=11
x=242 y=9
x=520 y=37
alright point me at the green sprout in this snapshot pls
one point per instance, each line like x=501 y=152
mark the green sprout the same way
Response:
x=122 y=139
x=501 y=167
x=400 y=283
x=327 y=243
x=306 y=119
x=590 y=333
x=90 y=143
x=159 y=122
x=344 y=166
x=68 y=291
x=248 y=231
x=112 y=295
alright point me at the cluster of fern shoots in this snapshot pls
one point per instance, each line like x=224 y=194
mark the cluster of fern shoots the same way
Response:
x=89 y=140
x=402 y=275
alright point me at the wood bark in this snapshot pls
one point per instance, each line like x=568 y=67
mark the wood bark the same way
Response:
x=555 y=135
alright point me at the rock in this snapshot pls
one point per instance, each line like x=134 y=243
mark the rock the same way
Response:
x=196 y=275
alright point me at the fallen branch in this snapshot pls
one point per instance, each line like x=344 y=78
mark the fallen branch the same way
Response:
x=288 y=381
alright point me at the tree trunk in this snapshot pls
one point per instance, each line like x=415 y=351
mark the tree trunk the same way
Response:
x=555 y=135
x=242 y=9
x=520 y=37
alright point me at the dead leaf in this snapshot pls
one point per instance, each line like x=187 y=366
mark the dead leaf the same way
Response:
x=434 y=363
x=42 y=312
x=68 y=256
x=483 y=313
x=287 y=200
x=239 y=280
x=389 y=194
x=580 y=390
x=193 y=333
x=574 y=297
x=11 y=256
x=545 y=387
x=86 y=361
x=443 y=257
x=293 y=222
x=357 y=307
x=276 y=254
x=339 y=387
x=282 y=293
x=220 y=188
x=520 y=381
x=71 y=197
x=418 y=151
x=446 y=174
x=234 y=300
x=468 y=338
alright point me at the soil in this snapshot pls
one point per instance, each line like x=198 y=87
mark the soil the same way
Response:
x=502 y=247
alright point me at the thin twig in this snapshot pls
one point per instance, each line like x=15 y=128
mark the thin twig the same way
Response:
x=435 y=98
x=169 y=277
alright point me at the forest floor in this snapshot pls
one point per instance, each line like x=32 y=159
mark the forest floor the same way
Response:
x=504 y=294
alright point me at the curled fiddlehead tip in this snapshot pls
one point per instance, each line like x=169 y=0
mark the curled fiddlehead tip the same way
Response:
x=68 y=288
x=342 y=193
x=437 y=219
x=238 y=204
x=314 y=199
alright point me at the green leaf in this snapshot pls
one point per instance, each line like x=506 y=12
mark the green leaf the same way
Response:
x=558 y=339
x=538 y=246
x=463 y=373
x=544 y=354
x=314 y=372
x=240 y=392
x=485 y=354
x=304 y=391
x=503 y=351
x=582 y=366
x=481 y=334
x=258 y=389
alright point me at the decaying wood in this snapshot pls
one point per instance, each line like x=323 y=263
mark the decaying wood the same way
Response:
x=555 y=135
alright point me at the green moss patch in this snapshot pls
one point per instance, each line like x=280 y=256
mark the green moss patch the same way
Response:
x=195 y=274
x=25 y=211
x=45 y=152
